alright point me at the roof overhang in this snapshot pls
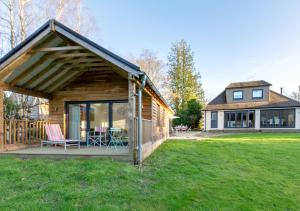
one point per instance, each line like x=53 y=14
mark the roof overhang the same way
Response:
x=53 y=56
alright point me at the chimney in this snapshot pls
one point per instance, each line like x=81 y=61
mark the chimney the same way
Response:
x=281 y=88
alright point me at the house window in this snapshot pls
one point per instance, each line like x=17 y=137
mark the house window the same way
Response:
x=277 y=118
x=238 y=95
x=239 y=119
x=257 y=94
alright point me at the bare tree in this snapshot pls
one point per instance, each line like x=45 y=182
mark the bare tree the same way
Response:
x=20 y=17
x=25 y=17
x=296 y=95
x=72 y=13
x=8 y=23
x=153 y=66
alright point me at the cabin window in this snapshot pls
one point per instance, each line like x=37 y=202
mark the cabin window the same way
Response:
x=277 y=118
x=238 y=95
x=257 y=94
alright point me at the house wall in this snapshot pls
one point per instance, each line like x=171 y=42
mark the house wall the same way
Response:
x=297 y=118
x=257 y=119
x=147 y=106
x=247 y=94
x=89 y=86
x=257 y=127
x=160 y=121
x=207 y=121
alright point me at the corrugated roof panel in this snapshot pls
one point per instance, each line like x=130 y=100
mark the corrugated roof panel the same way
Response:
x=62 y=81
x=33 y=59
x=48 y=83
x=34 y=72
x=22 y=67
x=48 y=73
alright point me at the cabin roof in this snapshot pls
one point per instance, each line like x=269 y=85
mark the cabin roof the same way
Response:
x=53 y=56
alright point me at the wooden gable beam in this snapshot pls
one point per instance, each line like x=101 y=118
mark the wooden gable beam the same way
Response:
x=23 y=55
x=24 y=91
x=62 y=48
x=64 y=55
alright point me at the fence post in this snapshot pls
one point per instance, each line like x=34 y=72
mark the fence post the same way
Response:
x=1 y=119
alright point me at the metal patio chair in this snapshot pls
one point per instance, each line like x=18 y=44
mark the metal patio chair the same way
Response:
x=115 y=135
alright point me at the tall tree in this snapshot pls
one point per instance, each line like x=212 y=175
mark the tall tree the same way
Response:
x=185 y=83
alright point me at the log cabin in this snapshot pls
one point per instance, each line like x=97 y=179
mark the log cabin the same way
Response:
x=88 y=87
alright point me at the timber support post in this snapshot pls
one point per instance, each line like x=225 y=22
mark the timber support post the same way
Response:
x=131 y=115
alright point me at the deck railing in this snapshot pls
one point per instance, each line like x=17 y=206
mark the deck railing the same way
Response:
x=23 y=132
x=147 y=129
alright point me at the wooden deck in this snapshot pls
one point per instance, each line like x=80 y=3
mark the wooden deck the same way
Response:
x=59 y=152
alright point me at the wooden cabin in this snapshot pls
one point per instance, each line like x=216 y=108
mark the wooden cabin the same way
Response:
x=87 y=87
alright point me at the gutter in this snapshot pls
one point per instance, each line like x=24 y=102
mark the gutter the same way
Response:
x=140 y=121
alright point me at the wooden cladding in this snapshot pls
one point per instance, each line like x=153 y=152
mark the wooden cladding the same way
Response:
x=90 y=86
x=160 y=118
x=147 y=106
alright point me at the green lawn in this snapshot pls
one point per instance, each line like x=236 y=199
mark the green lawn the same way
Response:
x=243 y=171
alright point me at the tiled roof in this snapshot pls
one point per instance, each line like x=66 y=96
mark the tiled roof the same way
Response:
x=248 y=84
x=276 y=101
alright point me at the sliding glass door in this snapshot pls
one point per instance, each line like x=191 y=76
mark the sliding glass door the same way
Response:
x=98 y=115
x=83 y=117
x=120 y=116
x=77 y=121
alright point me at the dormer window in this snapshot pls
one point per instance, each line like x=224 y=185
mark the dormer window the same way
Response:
x=257 y=94
x=238 y=95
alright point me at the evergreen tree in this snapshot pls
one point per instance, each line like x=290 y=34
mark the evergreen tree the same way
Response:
x=185 y=81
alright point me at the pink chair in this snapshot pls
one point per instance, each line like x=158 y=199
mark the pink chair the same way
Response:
x=56 y=137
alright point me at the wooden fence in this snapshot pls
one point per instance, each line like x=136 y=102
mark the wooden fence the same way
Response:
x=23 y=132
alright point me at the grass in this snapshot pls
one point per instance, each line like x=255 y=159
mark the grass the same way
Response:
x=236 y=172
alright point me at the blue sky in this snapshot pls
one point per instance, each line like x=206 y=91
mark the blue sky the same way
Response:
x=232 y=40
